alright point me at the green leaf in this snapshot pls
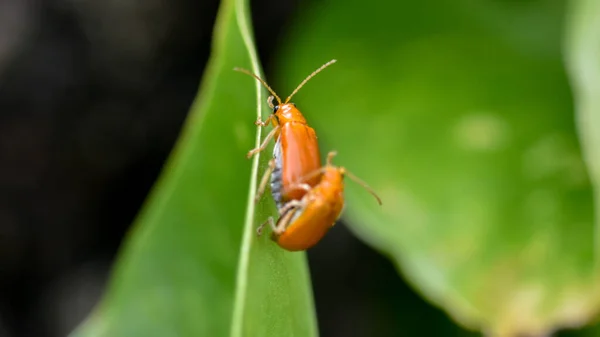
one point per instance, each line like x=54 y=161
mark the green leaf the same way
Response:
x=583 y=55
x=192 y=265
x=459 y=114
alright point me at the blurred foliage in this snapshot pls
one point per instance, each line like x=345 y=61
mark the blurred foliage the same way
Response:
x=192 y=265
x=460 y=114
x=583 y=61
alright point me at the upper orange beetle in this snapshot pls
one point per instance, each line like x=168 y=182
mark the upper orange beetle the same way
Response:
x=296 y=150
x=304 y=222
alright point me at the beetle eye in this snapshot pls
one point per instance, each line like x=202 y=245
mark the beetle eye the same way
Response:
x=294 y=104
x=275 y=108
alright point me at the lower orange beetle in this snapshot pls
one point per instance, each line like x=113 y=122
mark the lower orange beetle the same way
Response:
x=303 y=223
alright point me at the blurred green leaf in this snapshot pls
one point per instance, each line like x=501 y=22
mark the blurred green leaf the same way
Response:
x=459 y=114
x=588 y=331
x=192 y=265
x=583 y=61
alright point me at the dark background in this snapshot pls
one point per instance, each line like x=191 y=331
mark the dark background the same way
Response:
x=92 y=97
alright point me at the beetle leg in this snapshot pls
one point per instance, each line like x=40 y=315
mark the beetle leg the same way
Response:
x=264 y=143
x=259 y=122
x=260 y=228
x=289 y=205
x=301 y=186
x=264 y=181
x=286 y=214
x=270 y=102
x=286 y=218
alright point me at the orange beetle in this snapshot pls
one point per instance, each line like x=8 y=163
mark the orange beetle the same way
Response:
x=304 y=222
x=296 y=151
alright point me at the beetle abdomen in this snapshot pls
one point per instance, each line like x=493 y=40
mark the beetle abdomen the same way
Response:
x=276 y=178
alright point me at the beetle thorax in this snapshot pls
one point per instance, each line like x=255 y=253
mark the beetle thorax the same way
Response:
x=333 y=178
x=289 y=113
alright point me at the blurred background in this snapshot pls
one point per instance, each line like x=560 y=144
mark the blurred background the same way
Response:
x=92 y=98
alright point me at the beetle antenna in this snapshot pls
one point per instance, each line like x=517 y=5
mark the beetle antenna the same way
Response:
x=330 y=156
x=312 y=174
x=261 y=81
x=362 y=183
x=344 y=172
x=308 y=78
x=321 y=170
